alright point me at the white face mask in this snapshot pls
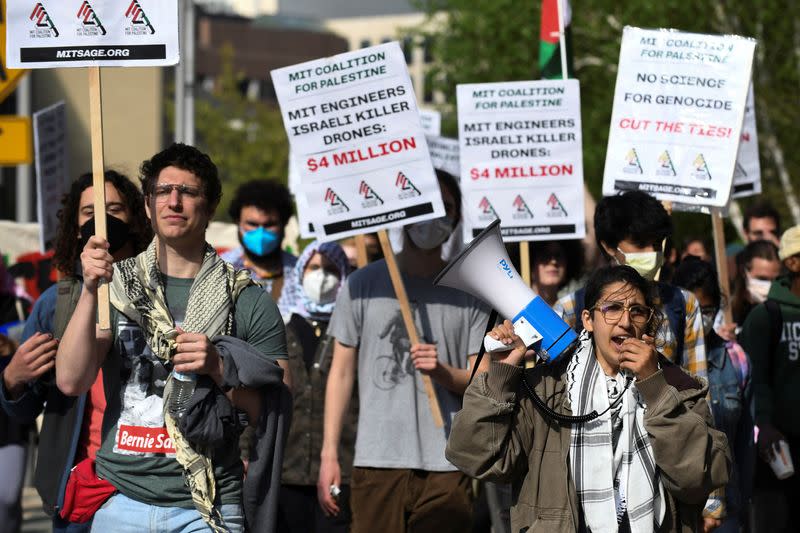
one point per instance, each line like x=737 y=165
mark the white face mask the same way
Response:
x=708 y=322
x=320 y=286
x=758 y=289
x=647 y=264
x=430 y=233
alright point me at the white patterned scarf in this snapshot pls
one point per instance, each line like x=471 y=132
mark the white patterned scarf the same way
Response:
x=137 y=292
x=612 y=484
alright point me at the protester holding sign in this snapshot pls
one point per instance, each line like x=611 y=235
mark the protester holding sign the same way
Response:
x=401 y=479
x=171 y=366
x=631 y=229
x=28 y=387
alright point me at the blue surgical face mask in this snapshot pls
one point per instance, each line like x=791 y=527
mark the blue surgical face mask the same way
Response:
x=261 y=241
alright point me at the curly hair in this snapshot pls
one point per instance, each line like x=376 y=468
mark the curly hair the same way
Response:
x=184 y=157
x=266 y=195
x=67 y=243
x=603 y=277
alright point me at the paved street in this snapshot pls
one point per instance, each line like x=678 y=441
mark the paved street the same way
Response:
x=33 y=518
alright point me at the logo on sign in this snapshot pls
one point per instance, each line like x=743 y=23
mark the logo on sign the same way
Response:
x=701 y=168
x=632 y=165
x=505 y=268
x=521 y=209
x=371 y=198
x=555 y=207
x=665 y=166
x=140 y=24
x=335 y=202
x=90 y=22
x=44 y=24
x=407 y=188
x=487 y=210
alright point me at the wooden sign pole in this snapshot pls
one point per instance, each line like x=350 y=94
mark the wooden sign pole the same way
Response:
x=98 y=184
x=525 y=262
x=361 y=251
x=718 y=229
x=408 y=320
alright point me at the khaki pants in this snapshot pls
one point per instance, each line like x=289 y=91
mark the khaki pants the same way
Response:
x=413 y=501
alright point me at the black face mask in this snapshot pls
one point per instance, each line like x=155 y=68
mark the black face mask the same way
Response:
x=118 y=232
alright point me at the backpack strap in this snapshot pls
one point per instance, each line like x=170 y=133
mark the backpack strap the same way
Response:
x=675 y=308
x=775 y=324
x=69 y=291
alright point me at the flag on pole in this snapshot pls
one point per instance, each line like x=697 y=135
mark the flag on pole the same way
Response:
x=549 y=47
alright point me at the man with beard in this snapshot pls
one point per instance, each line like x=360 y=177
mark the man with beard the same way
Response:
x=261 y=209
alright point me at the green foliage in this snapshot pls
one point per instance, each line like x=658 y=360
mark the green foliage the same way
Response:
x=245 y=138
x=477 y=41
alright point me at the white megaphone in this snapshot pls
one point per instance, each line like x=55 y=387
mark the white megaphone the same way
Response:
x=484 y=270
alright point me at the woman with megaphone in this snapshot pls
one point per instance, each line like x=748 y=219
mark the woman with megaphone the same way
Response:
x=609 y=437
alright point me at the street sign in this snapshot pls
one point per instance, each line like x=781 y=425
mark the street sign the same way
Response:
x=9 y=77
x=16 y=145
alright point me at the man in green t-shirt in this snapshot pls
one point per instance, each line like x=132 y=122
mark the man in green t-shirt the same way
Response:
x=167 y=304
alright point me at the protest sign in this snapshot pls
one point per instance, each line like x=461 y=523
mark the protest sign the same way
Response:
x=356 y=138
x=431 y=121
x=677 y=117
x=79 y=33
x=303 y=212
x=52 y=174
x=521 y=159
x=444 y=154
x=747 y=176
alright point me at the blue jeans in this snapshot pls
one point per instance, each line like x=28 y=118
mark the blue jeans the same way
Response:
x=123 y=515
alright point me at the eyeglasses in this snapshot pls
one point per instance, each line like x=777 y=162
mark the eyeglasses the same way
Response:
x=640 y=315
x=163 y=191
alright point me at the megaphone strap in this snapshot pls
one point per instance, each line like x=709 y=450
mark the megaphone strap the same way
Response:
x=570 y=419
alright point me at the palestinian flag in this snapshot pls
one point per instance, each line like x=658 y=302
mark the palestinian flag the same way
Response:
x=549 y=46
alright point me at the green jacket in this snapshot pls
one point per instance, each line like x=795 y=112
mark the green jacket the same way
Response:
x=500 y=436
x=776 y=377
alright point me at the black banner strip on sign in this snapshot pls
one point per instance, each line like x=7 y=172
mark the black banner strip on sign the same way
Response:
x=89 y=53
x=744 y=187
x=653 y=188
x=517 y=231
x=377 y=220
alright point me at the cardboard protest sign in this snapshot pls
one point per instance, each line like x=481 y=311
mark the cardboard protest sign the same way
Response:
x=431 y=121
x=356 y=138
x=677 y=117
x=444 y=154
x=747 y=176
x=80 y=33
x=52 y=174
x=521 y=159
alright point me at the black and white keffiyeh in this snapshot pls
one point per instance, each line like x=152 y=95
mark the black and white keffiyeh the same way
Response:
x=611 y=481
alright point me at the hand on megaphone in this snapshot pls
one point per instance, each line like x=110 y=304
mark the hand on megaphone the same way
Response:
x=516 y=349
x=639 y=357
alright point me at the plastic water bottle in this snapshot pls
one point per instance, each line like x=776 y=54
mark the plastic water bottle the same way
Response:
x=183 y=386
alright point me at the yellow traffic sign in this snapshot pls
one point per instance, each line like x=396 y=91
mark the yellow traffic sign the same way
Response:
x=16 y=140
x=9 y=77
